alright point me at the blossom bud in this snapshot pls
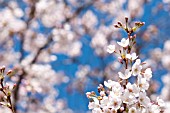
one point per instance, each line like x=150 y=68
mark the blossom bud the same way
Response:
x=7 y=85
x=120 y=24
x=120 y=60
x=93 y=93
x=126 y=19
x=122 y=108
x=100 y=85
x=10 y=72
x=131 y=37
x=116 y=26
x=139 y=24
x=134 y=36
x=88 y=94
x=2 y=69
x=99 y=89
x=14 y=86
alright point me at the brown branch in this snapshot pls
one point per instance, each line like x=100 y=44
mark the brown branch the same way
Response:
x=21 y=76
x=79 y=9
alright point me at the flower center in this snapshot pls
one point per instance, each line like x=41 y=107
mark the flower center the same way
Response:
x=115 y=103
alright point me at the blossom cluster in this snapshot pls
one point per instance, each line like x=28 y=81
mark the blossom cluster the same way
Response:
x=35 y=33
x=6 y=89
x=160 y=59
x=126 y=95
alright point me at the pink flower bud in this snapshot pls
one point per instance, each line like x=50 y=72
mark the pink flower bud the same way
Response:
x=14 y=86
x=120 y=24
x=9 y=72
x=2 y=69
x=126 y=19
x=116 y=26
x=120 y=59
x=88 y=94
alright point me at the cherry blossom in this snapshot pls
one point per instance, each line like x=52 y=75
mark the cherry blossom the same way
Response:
x=34 y=32
x=110 y=48
x=126 y=75
x=124 y=94
x=132 y=110
x=136 y=68
x=160 y=102
x=148 y=73
x=143 y=83
x=143 y=99
x=124 y=42
x=132 y=56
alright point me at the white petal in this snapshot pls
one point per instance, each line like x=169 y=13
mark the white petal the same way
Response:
x=110 y=48
x=134 y=56
x=128 y=56
x=119 y=43
x=121 y=75
x=138 y=62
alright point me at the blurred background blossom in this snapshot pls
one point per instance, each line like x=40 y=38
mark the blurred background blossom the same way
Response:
x=57 y=49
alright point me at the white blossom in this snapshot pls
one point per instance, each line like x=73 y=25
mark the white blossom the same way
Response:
x=115 y=103
x=143 y=99
x=126 y=75
x=97 y=110
x=112 y=84
x=94 y=104
x=143 y=83
x=154 y=109
x=148 y=73
x=124 y=42
x=131 y=56
x=114 y=96
x=128 y=98
x=104 y=102
x=136 y=68
x=132 y=110
x=160 y=102
x=133 y=89
x=89 y=19
x=110 y=48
